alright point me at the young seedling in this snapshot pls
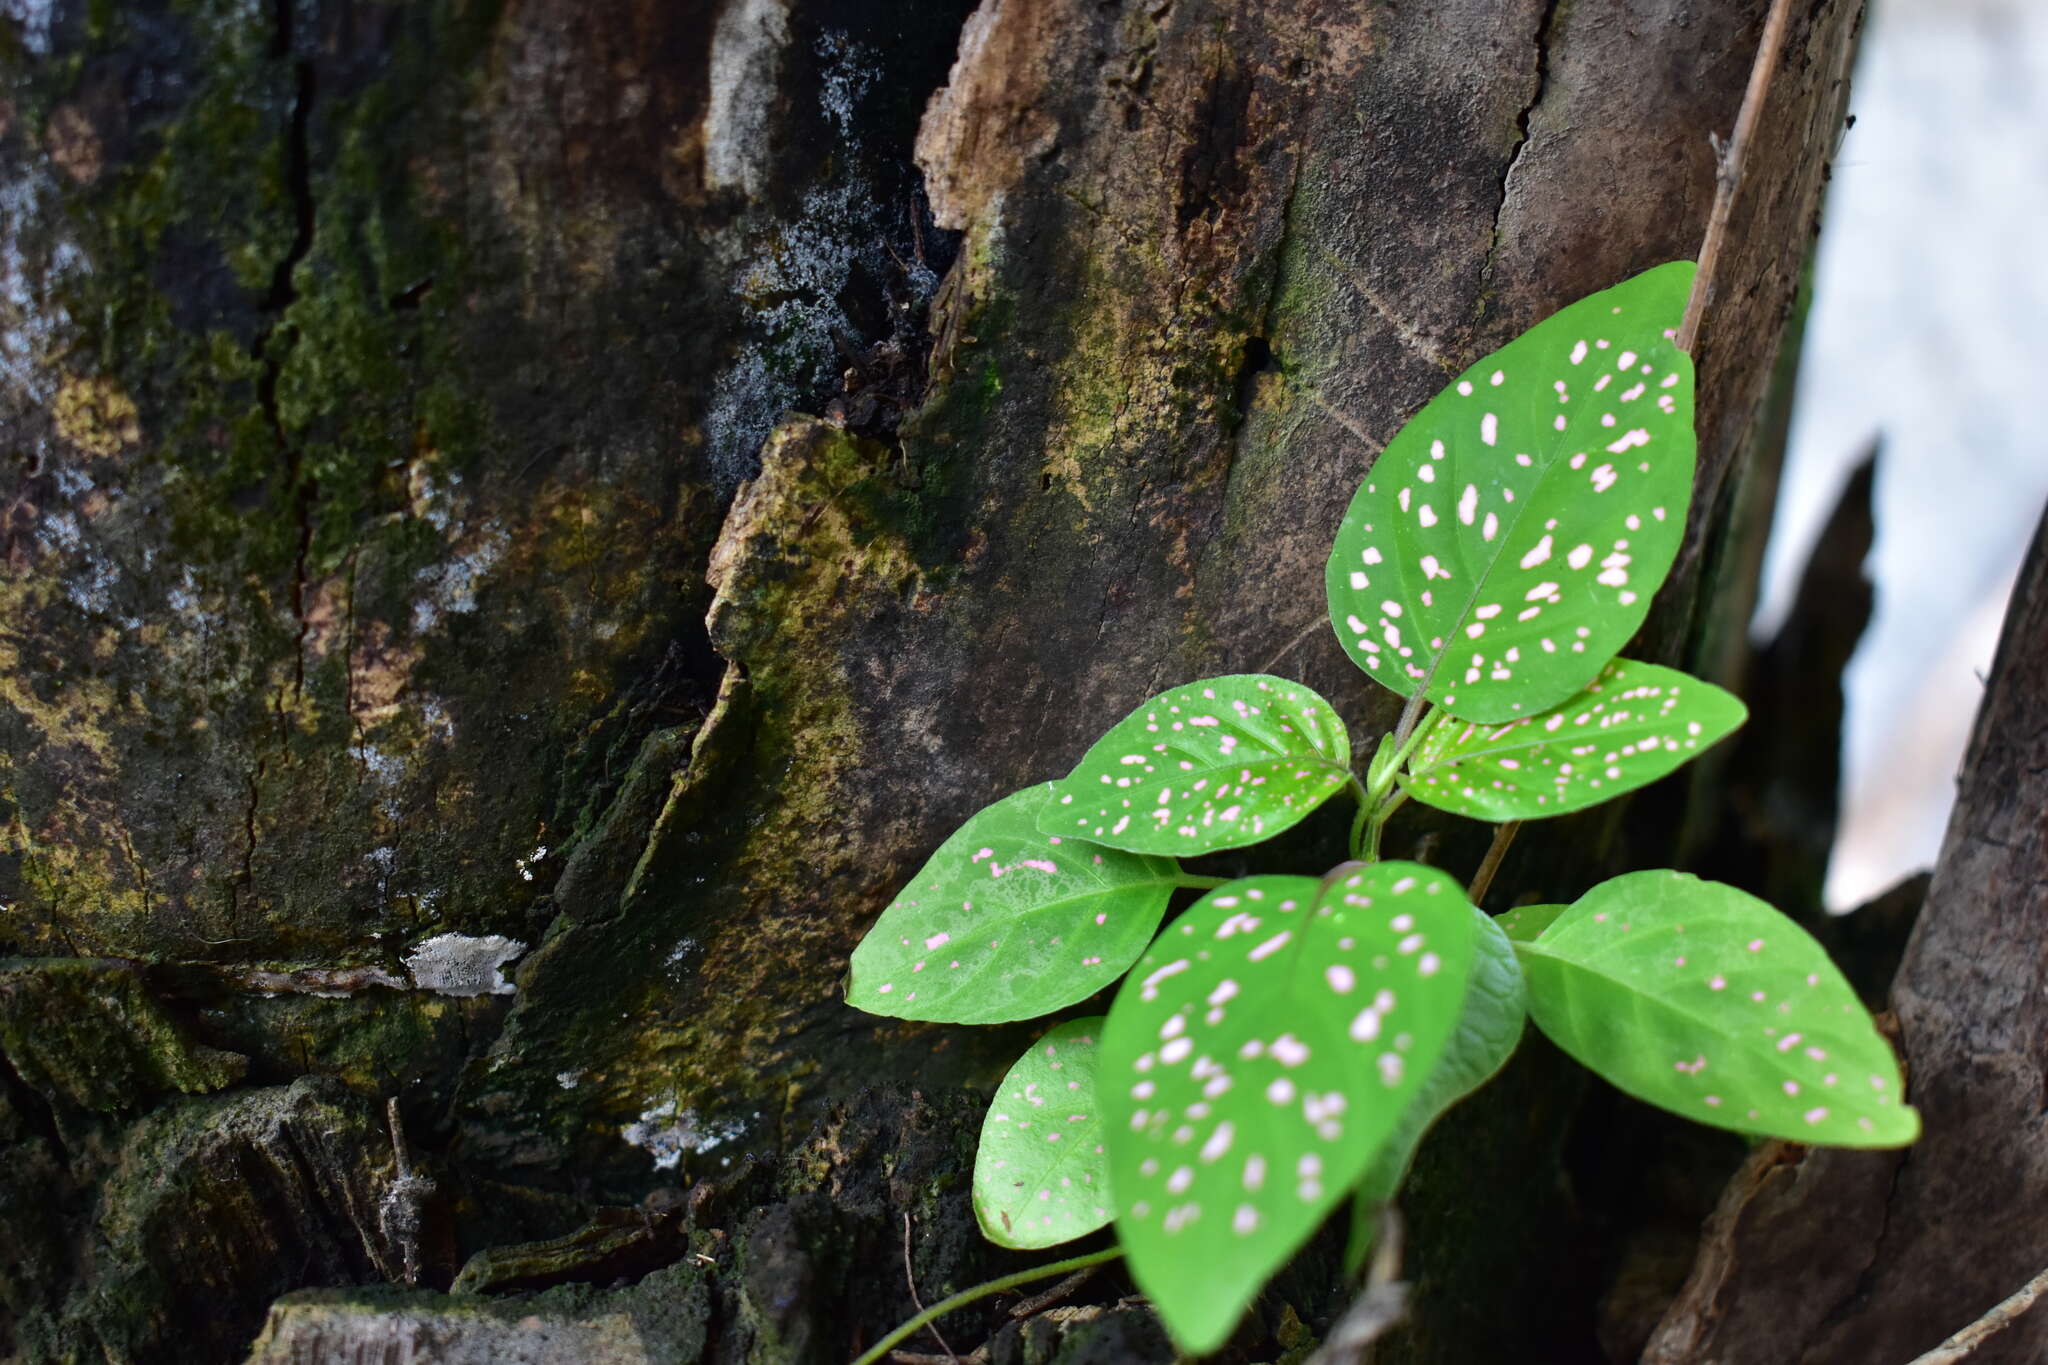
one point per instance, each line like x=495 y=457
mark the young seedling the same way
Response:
x=1287 y=1041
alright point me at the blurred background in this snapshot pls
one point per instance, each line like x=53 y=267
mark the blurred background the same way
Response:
x=1930 y=294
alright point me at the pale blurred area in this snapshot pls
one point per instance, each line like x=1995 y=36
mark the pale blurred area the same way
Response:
x=1930 y=302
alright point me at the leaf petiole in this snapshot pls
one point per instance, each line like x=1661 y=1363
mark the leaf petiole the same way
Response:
x=1192 y=882
x=1381 y=814
x=1362 y=818
x=1482 y=880
x=981 y=1291
x=1379 y=798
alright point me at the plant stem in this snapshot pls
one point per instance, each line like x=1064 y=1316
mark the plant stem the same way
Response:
x=1196 y=883
x=1358 y=821
x=1381 y=814
x=1381 y=799
x=1405 y=747
x=1406 y=725
x=981 y=1291
x=1503 y=835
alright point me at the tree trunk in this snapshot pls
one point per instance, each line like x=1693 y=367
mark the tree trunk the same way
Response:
x=410 y=571
x=1822 y=1256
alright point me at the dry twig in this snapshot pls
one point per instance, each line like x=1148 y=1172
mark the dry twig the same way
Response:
x=1729 y=158
x=910 y=1278
x=1038 y=1303
x=1378 y=1308
x=400 y=1211
x=2001 y=1316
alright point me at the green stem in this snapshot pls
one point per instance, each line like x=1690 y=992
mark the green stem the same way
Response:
x=1407 y=748
x=1195 y=883
x=1411 y=714
x=1381 y=814
x=982 y=1291
x=1381 y=799
x=1358 y=821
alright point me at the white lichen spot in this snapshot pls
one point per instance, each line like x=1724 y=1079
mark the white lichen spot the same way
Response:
x=463 y=965
x=746 y=60
x=666 y=1133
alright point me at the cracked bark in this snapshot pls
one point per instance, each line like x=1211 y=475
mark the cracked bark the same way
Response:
x=451 y=334
x=1540 y=84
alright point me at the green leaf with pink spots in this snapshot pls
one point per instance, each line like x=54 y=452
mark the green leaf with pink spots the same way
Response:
x=1632 y=725
x=1525 y=922
x=1219 y=763
x=1041 y=1176
x=1489 y=1028
x=1008 y=923
x=1705 y=1001
x=1509 y=538
x=1255 y=1062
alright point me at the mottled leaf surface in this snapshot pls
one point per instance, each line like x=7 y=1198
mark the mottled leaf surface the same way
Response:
x=1219 y=763
x=1255 y=1061
x=1525 y=922
x=1633 y=724
x=1508 y=540
x=1006 y=922
x=1704 y=1000
x=1041 y=1176
x=1489 y=1027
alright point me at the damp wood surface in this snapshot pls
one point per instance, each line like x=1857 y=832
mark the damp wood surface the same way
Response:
x=499 y=471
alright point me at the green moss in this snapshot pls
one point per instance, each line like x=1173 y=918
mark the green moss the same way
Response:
x=288 y=410
x=636 y=1008
x=378 y=1041
x=88 y=1034
x=833 y=532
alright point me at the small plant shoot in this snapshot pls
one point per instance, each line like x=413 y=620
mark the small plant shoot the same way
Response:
x=1041 y=1175
x=1286 y=1043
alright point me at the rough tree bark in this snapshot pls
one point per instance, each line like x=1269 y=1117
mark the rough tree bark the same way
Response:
x=409 y=568
x=1822 y=1257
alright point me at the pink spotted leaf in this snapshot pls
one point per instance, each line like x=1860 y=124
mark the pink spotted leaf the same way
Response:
x=1703 y=1000
x=1255 y=1062
x=1631 y=725
x=1489 y=1028
x=1525 y=922
x=1041 y=1175
x=1215 y=764
x=1005 y=922
x=1509 y=538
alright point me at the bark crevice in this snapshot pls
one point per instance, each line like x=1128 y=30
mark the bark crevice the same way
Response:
x=1524 y=132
